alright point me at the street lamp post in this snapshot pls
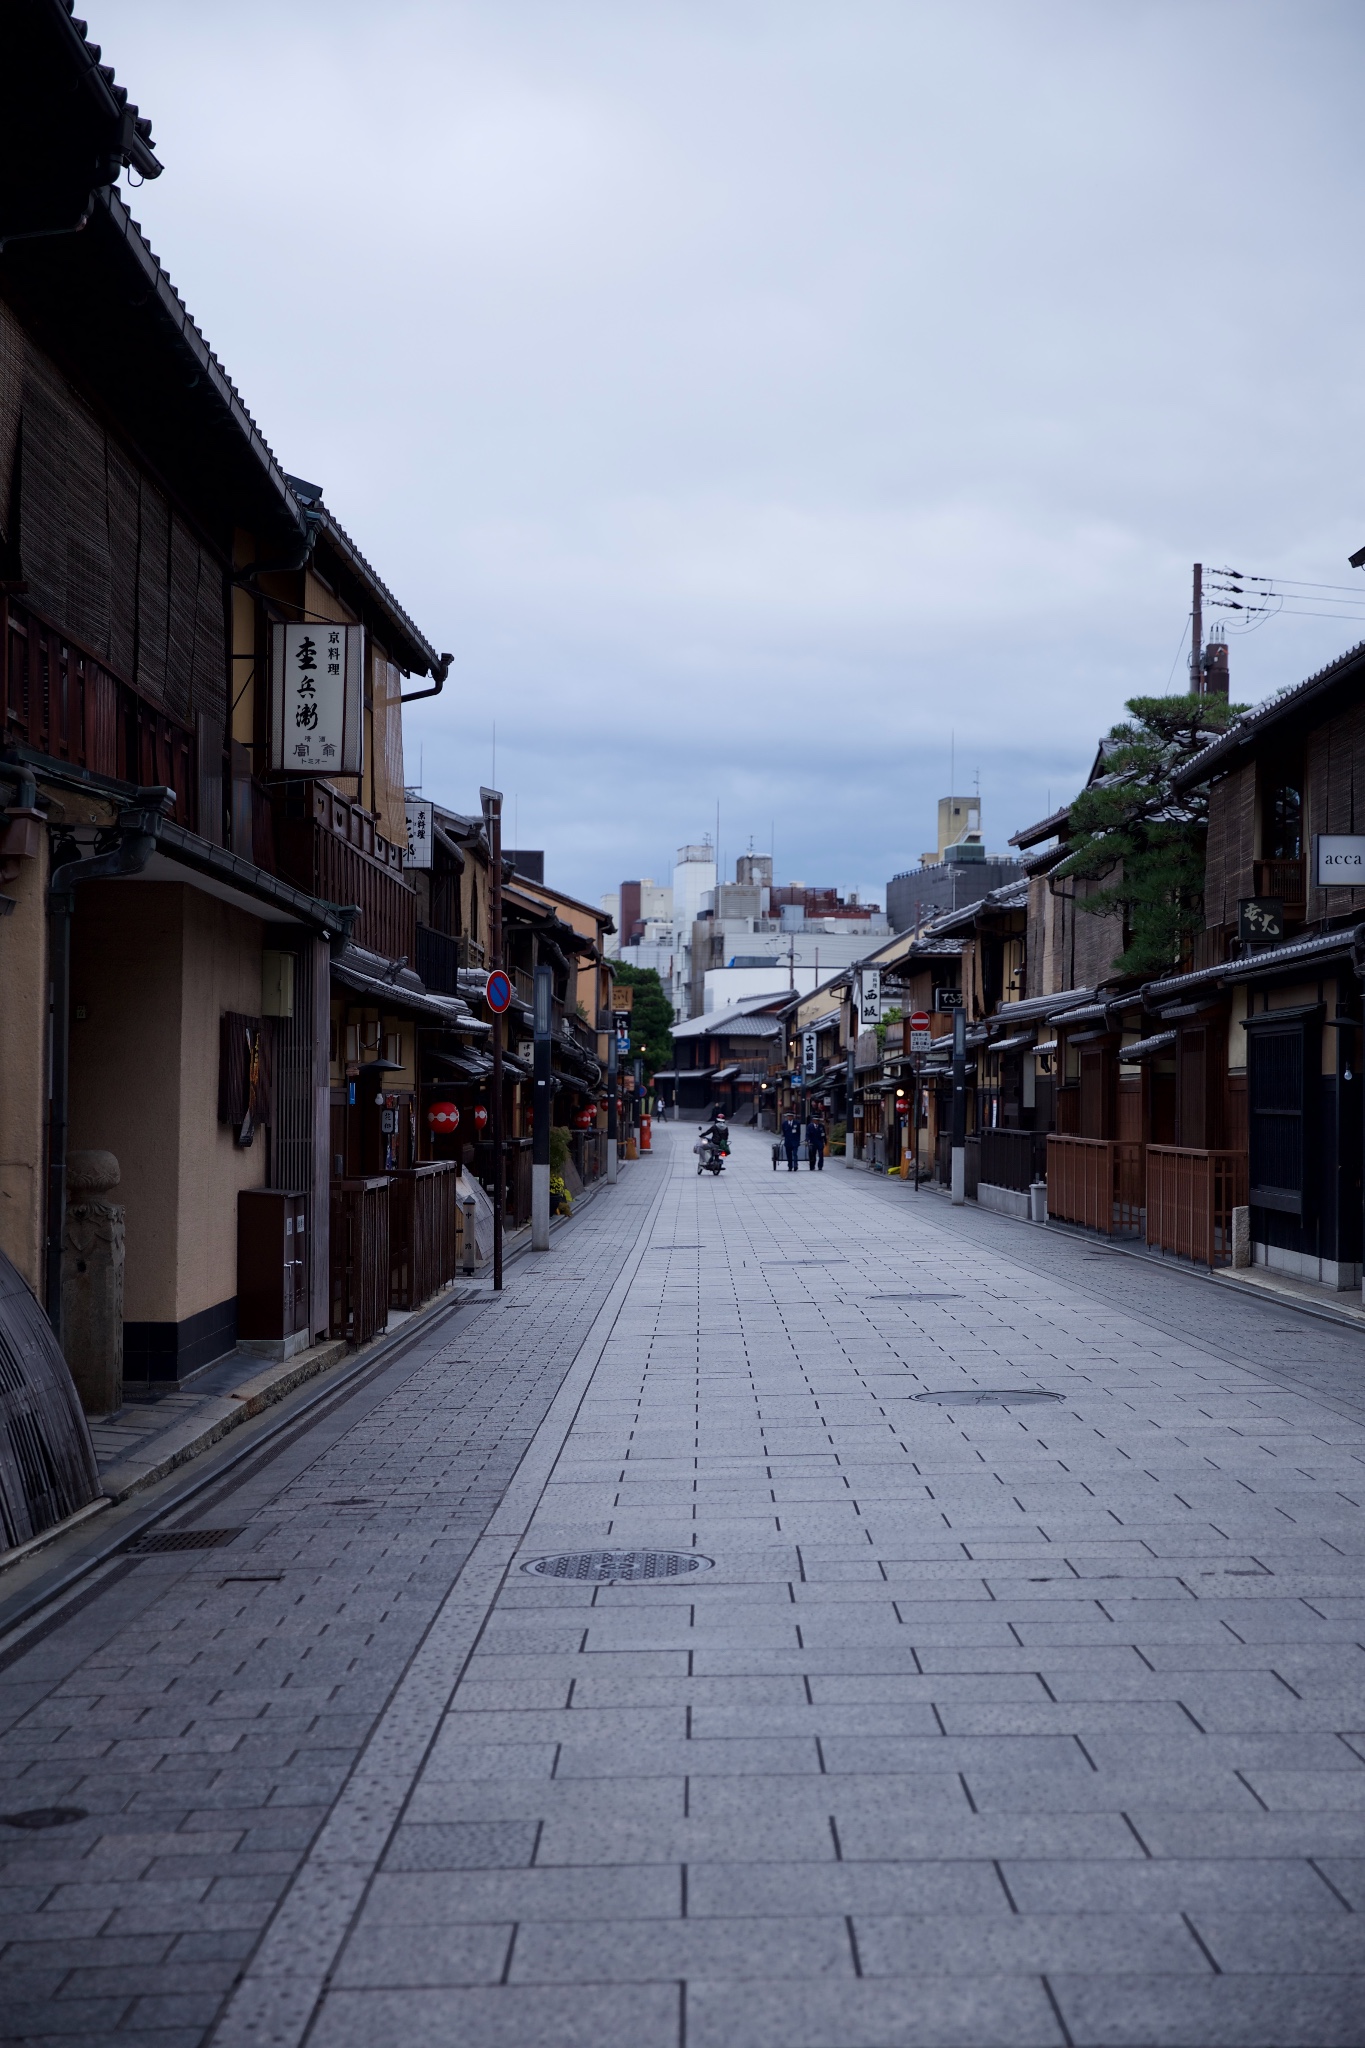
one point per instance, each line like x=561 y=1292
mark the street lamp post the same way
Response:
x=959 y=1107
x=540 y=1126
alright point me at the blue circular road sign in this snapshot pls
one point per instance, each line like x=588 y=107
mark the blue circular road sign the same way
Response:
x=498 y=993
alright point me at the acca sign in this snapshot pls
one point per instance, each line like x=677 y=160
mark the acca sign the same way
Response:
x=1340 y=862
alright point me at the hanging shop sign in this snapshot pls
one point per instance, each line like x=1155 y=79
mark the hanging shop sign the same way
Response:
x=317 y=699
x=1260 y=920
x=947 y=998
x=443 y=1118
x=421 y=831
x=809 y=1057
x=1339 y=860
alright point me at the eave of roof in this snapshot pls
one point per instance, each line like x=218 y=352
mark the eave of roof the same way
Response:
x=1345 y=940
x=1046 y=828
x=396 y=630
x=1288 y=703
x=103 y=305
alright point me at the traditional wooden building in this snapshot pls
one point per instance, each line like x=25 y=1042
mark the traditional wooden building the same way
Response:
x=206 y=969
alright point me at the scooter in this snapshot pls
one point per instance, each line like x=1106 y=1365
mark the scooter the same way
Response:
x=710 y=1158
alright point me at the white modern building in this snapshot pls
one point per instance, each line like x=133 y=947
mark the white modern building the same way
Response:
x=694 y=877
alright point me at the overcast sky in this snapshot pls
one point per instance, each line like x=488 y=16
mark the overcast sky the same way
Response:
x=756 y=396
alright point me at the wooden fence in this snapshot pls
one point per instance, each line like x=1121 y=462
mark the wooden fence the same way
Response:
x=424 y=1232
x=1096 y=1182
x=1190 y=1199
x=360 y=1258
x=1013 y=1159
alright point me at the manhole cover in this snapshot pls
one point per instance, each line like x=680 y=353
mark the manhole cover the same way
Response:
x=987 y=1397
x=182 y=1539
x=44 y=1817
x=618 y=1564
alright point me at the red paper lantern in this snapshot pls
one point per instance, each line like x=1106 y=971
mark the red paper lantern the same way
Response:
x=480 y=1117
x=443 y=1118
x=586 y=1119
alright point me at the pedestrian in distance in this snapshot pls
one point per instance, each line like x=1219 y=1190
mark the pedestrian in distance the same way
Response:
x=815 y=1145
x=791 y=1139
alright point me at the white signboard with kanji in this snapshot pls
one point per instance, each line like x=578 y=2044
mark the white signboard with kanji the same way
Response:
x=317 y=673
x=420 y=832
x=809 y=1059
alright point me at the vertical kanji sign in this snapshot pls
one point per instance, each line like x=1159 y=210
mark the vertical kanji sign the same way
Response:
x=421 y=832
x=317 y=698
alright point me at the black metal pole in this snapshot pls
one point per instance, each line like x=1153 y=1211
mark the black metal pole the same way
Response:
x=959 y=1182
x=492 y=810
x=540 y=1115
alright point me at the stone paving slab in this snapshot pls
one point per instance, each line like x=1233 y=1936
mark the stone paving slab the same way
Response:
x=1028 y=1724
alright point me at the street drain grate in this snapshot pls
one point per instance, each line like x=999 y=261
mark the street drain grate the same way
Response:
x=182 y=1539
x=675 y=1247
x=803 y=1262
x=632 y=1565
x=914 y=1297
x=987 y=1397
x=44 y=1817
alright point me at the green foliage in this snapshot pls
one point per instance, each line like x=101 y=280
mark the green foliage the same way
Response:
x=892 y=1016
x=559 y=1148
x=1145 y=841
x=650 y=1018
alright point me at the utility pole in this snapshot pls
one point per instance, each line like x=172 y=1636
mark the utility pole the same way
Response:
x=1197 y=634
x=540 y=1126
x=492 y=813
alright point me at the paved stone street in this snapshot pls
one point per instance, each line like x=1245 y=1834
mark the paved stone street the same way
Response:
x=987 y=1724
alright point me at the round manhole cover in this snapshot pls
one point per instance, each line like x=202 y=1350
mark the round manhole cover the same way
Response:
x=987 y=1397
x=657 y=1565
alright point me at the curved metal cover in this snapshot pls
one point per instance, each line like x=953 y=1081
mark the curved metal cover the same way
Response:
x=47 y=1461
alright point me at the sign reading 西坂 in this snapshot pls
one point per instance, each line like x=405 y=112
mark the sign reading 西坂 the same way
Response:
x=420 y=832
x=317 y=697
x=1340 y=860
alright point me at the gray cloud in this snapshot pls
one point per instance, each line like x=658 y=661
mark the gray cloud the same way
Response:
x=754 y=395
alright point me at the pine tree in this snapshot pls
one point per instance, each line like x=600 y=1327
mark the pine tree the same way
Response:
x=650 y=1017
x=1132 y=821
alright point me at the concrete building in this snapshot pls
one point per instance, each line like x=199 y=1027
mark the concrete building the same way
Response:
x=694 y=877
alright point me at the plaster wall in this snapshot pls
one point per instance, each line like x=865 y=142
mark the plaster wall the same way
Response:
x=154 y=964
x=23 y=1077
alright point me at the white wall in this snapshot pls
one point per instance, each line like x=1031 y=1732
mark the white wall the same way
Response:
x=726 y=985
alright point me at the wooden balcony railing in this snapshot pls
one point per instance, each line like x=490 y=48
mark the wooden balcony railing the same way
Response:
x=1191 y=1195
x=1285 y=879
x=330 y=847
x=360 y=1258
x=1096 y=1182
x=1013 y=1159
x=61 y=700
x=424 y=1232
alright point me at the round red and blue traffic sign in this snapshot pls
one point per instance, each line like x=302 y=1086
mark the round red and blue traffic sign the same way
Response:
x=498 y=993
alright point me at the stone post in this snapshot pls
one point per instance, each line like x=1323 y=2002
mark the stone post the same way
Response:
x=92 y=1281
x=1241 y=1236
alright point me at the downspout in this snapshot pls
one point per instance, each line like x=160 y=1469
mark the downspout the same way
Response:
x=438 y=676
x=135 y=844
